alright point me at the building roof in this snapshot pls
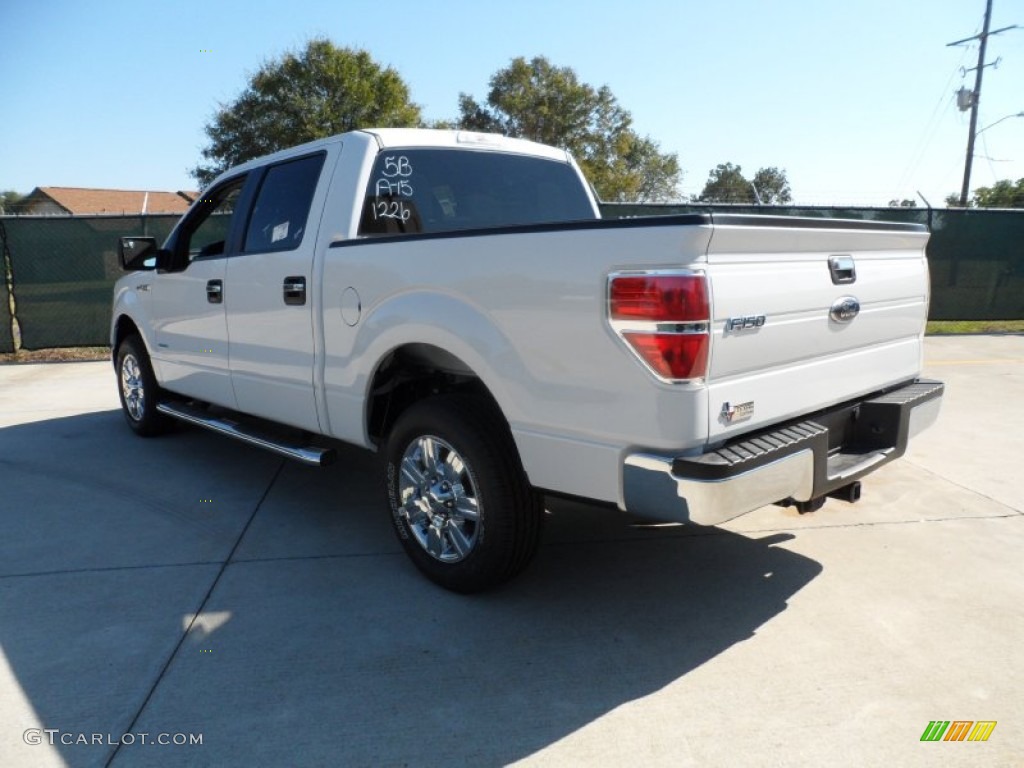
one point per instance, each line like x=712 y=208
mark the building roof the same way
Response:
x=76 y=200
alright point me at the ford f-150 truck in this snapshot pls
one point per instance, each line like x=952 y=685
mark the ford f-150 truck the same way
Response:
x=454 y=301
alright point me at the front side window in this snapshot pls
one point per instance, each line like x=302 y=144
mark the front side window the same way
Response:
x=441 y=190
x=278 y=220
x=207 y=232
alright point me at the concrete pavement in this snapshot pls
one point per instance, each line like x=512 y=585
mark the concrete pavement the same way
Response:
x=190 y=585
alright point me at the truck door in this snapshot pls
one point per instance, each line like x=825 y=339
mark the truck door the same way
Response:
x=269 y=296
x=188 y=300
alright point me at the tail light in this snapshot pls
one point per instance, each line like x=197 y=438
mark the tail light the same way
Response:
x=664 y=318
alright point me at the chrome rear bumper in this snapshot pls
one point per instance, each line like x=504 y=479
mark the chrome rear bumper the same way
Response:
x=798 y=461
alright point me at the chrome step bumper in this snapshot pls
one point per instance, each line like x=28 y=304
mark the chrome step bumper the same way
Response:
x=798 y=461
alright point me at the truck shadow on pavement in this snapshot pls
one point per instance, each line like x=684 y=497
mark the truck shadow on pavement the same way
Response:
x=319 y=643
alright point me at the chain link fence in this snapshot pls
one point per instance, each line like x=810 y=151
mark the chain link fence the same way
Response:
x=63 y=270
x=60 y=270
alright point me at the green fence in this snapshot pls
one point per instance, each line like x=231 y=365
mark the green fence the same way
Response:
x=62 y=268
x=976 y=257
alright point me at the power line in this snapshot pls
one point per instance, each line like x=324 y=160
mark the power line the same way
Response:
x=928 y=135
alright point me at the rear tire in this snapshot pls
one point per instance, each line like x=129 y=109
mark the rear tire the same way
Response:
x=138 y=390
x=460 y=502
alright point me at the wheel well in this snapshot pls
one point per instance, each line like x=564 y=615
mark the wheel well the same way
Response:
x=412 y=373
x=125 y=328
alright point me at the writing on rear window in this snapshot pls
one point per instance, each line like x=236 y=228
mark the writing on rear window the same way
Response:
x=391 y=191
x=439 y=190
x=389 y=209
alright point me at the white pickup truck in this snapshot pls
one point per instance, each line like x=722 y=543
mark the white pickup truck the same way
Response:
x=453 y=301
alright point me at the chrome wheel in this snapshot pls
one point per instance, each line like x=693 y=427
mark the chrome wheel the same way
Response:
x=132 y=387
x=439 y=499
x=460 y=502
x=137 y=389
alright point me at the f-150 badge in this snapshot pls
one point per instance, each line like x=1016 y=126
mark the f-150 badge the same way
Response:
x=744 y=323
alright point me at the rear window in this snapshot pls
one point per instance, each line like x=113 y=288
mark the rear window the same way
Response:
x=443 y=190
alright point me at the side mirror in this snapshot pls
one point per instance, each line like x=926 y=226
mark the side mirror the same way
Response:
x=138 y=253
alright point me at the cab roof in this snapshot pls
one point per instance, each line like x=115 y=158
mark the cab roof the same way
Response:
x=409 y=138
x=394 y=138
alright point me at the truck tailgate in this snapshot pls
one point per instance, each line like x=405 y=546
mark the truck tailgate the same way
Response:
x=794 y=330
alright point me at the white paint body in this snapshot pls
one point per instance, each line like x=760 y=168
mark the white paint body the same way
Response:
x=526 y=312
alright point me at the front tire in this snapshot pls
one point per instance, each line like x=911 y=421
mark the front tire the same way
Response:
x=460 y=502
x=138 y=390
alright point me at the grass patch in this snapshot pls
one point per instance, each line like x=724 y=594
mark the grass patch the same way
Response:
x=974 y=326
x=59 y=355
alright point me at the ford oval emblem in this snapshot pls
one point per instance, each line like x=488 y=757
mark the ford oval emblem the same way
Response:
x=844 y=309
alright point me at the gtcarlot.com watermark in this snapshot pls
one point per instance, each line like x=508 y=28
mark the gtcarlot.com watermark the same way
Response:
x=55 y=737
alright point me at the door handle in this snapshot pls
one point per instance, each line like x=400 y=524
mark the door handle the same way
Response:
x=295 y=290
x=843 y=269
x=215 y=291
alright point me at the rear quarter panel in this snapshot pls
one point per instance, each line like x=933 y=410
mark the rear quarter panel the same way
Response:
x=527 y=313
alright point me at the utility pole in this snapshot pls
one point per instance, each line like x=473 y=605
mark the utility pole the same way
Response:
x=976 y=95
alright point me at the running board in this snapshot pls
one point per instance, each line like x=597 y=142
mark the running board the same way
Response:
x=307 y=454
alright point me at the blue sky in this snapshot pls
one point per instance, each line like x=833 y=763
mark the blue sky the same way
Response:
x=854 y=100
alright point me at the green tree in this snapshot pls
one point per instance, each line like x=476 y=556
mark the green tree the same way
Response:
x=536 y=100
x=316 y=92
x=10 y=201
x=1002 y=194
x=772 y=186
x=727 y=184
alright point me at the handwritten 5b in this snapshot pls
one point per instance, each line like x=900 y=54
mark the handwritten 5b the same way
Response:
x=397 y=166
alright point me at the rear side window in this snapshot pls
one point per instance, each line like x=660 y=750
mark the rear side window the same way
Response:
x=442 y=190
x=278 y=221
